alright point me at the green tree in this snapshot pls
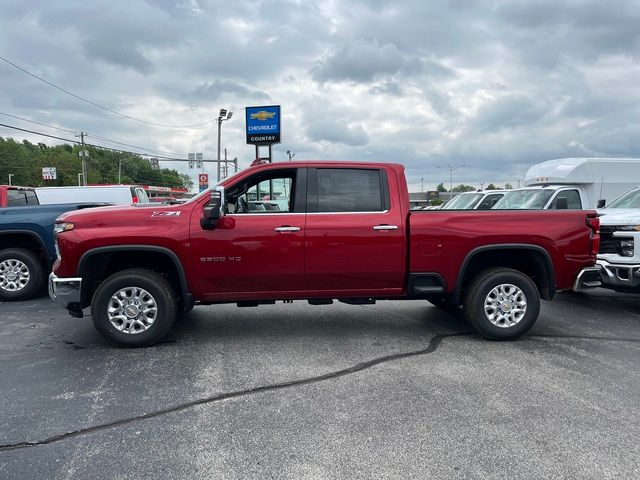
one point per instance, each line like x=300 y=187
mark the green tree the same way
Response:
x=491 y=186
x=441 y=188
x=463 y=188
x=508 y=186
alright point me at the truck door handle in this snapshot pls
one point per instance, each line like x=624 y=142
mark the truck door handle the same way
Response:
x=385 y=227
x=287 y=228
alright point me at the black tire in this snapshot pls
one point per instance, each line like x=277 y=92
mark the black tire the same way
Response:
x=478 y=291
x=31 y=262
x=443 y=303
x=156 y=286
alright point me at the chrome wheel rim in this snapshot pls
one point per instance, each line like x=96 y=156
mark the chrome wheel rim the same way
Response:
x=14 y=275
x=505 y=305
x=132 y=310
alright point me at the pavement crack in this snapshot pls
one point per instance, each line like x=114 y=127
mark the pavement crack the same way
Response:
x=583 y=337
x=433 y=345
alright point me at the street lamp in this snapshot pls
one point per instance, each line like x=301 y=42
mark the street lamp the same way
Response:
x=290 y=154
x=10 y=177
x=451 y=169
x=224 y=115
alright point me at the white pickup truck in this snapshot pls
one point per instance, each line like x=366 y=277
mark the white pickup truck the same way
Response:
x=619 y=256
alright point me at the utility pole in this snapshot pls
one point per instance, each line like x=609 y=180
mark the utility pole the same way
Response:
x=119 y=171
x=422 y=184
x=226 y=165
x=451 y=169
x=235 y=164
x=10 y=176
x=83 y=155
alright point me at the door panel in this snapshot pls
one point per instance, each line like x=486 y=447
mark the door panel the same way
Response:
x=246 y=254
x=353 y=250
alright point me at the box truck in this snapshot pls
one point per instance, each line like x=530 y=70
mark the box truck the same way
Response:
x=573 y=183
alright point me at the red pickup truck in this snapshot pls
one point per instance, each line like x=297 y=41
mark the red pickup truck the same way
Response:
x=333 y=230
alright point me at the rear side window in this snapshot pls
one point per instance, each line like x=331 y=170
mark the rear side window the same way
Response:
x=350 y=190
x=16 y=198
x=32 y=199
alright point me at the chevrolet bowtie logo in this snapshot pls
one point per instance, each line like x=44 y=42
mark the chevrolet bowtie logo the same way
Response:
x=262 y=115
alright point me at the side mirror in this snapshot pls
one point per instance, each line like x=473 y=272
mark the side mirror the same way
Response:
x=561 y=203
x=601 y=203
x=213 y=210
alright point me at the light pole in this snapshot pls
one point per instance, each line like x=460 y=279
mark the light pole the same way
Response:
x=451 y=169
x=290 y=154
x=224 y=115
x=119 y=171
x=80 y=175
x=10 y=177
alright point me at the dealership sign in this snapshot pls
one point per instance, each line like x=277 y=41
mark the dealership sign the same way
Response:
x=263 y=125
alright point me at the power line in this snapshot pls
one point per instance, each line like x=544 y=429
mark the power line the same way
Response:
x=37 y=123
x=102 y=106
x=106 y=139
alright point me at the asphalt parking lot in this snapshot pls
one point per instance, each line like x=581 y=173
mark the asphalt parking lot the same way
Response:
x=393 y=390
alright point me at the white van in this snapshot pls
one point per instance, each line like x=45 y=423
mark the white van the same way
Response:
x=114 y=194
x=576 y=183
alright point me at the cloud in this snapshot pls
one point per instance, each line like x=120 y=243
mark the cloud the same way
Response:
x=353 y=135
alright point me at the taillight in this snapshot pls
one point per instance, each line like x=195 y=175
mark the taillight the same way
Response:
x=135 y=199
x=594 y=224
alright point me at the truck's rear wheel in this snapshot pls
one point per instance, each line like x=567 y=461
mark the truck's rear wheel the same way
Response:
x=21 y=274
x=501 y=303
x=134 y=308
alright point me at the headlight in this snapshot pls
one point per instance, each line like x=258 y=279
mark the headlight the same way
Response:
x=62 y=227
x=626 y=247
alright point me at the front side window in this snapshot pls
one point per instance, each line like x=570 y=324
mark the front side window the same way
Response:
x=573 y=199
x=349 y=190
x=263 y=194
x=489 y=201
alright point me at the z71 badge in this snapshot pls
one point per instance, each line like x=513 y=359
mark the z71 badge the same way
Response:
x=166 y=214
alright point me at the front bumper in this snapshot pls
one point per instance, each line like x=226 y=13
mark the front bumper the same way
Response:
x=65 y=291
x=619 y=275
x=588 y=277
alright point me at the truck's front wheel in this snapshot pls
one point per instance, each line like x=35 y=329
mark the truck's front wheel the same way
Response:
x=21 y=274
x=134 y=308
x=501 y=303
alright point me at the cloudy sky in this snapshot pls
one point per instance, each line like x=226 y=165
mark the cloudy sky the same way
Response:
x=492 y=85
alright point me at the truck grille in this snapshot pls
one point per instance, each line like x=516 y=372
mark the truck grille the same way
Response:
x=609 y=244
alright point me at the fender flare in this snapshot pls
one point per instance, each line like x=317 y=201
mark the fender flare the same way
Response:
x=33 y=235
x=187 y=297
x=506 y=246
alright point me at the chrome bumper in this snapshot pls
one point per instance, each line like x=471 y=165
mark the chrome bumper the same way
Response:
x=65 y=291
x=589 y=277
x=619 y=275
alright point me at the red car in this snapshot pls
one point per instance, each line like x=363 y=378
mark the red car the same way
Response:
x=342 y=230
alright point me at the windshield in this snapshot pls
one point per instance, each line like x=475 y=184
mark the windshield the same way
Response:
x=533 y=199
x=463 y=202
x=628 y=200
